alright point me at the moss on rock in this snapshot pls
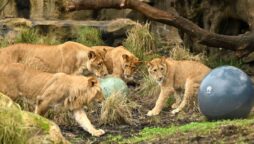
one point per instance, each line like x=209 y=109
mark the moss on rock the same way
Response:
x=17 y=126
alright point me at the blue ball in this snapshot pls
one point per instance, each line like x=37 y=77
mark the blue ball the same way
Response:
x=226 y=93
x=111 y=85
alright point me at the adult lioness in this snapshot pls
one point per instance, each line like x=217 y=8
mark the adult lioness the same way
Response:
x=70 y=58
x=173 y=76
x=46 y=89
x=119 y=61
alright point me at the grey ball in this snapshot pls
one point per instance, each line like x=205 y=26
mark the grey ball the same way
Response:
x=226 y=93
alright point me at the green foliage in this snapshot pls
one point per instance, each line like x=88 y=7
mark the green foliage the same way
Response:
x=214 y=62
x=151 y=133
x=3 y=42
x=33 y=36
x=28 y=36
x=11 y=129
x=89 y=36
x=141 y=42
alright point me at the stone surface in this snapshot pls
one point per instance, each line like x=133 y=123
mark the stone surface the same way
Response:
x=37 y=129
x=65 y=29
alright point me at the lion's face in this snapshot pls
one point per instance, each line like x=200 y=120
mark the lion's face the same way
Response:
x=96 y=64
x=157 y=69
x=83 y=91
x=129 y=66
x=96 y=92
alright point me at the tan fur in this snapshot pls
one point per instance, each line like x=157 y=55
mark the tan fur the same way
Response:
x=174 y=76
x=46 y=89
x=119 y=61
x=102 y=50
x=70 y=58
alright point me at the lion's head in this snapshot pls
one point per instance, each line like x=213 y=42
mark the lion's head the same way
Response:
x=96 y=64
x=84 y=90
x=129 y=65
x=157 y=69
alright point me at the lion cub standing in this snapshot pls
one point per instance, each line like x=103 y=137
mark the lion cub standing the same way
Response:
x=119 y=61
x=46 y=89
x=173 y=76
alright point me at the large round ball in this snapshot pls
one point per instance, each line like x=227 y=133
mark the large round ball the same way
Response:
x=113 y=85
x=226 y=93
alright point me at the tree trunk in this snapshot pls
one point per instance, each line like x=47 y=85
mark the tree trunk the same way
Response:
x=205 y=37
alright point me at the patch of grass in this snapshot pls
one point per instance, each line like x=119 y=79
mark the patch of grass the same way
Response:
x=181 y=53
x=61 y=116
x=34 y=37
x=89 y=36
x=141 y=41
x=150 y=134
x=213 y=62
x=28 y=36
x=117 y=109
x=148 y=86
x=4 y=42
x=11 y=129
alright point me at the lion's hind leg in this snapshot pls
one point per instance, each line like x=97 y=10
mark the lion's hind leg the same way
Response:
x=190 y=88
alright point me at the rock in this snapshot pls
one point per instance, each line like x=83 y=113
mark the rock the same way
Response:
x=20 y=126
x=66 y=29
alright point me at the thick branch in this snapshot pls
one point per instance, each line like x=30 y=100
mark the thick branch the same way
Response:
x=204 y=37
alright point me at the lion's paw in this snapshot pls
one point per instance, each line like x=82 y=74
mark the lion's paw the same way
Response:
x=98 y=132
x=152 y=113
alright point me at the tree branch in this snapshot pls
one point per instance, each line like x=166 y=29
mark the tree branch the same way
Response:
x=204 y=37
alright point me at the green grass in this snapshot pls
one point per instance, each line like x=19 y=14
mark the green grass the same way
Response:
x=141 y=42
x=150 y=134
x=11 y=129
x=214 y=62
x=89 y=36
x=28 y=36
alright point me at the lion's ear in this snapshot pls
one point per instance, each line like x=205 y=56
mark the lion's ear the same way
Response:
x=125 y=57
x=163 y=59
x=92 y=81
x=91 y=54
x=148 y=64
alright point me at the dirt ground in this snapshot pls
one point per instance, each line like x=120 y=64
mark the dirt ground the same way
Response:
x=165 y=118
x=228 y=133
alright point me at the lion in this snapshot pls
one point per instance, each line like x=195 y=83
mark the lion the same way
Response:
x=73 y=92
x=174 y=76
x=69 y=58
x=119 y=61
x=102 y=50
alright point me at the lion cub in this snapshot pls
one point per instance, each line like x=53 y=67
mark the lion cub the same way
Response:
x=46 y=89
x=69 y=57
x=119 y=61
x=173 y=76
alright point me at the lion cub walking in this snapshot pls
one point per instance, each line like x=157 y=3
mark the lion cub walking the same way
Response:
x=46 y=89
x=173 y=76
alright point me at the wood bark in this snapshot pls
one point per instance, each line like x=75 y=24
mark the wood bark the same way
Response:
x=237 y=43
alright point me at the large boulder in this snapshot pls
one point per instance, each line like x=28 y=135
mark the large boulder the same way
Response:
x=17 y=126
x=112 y=30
